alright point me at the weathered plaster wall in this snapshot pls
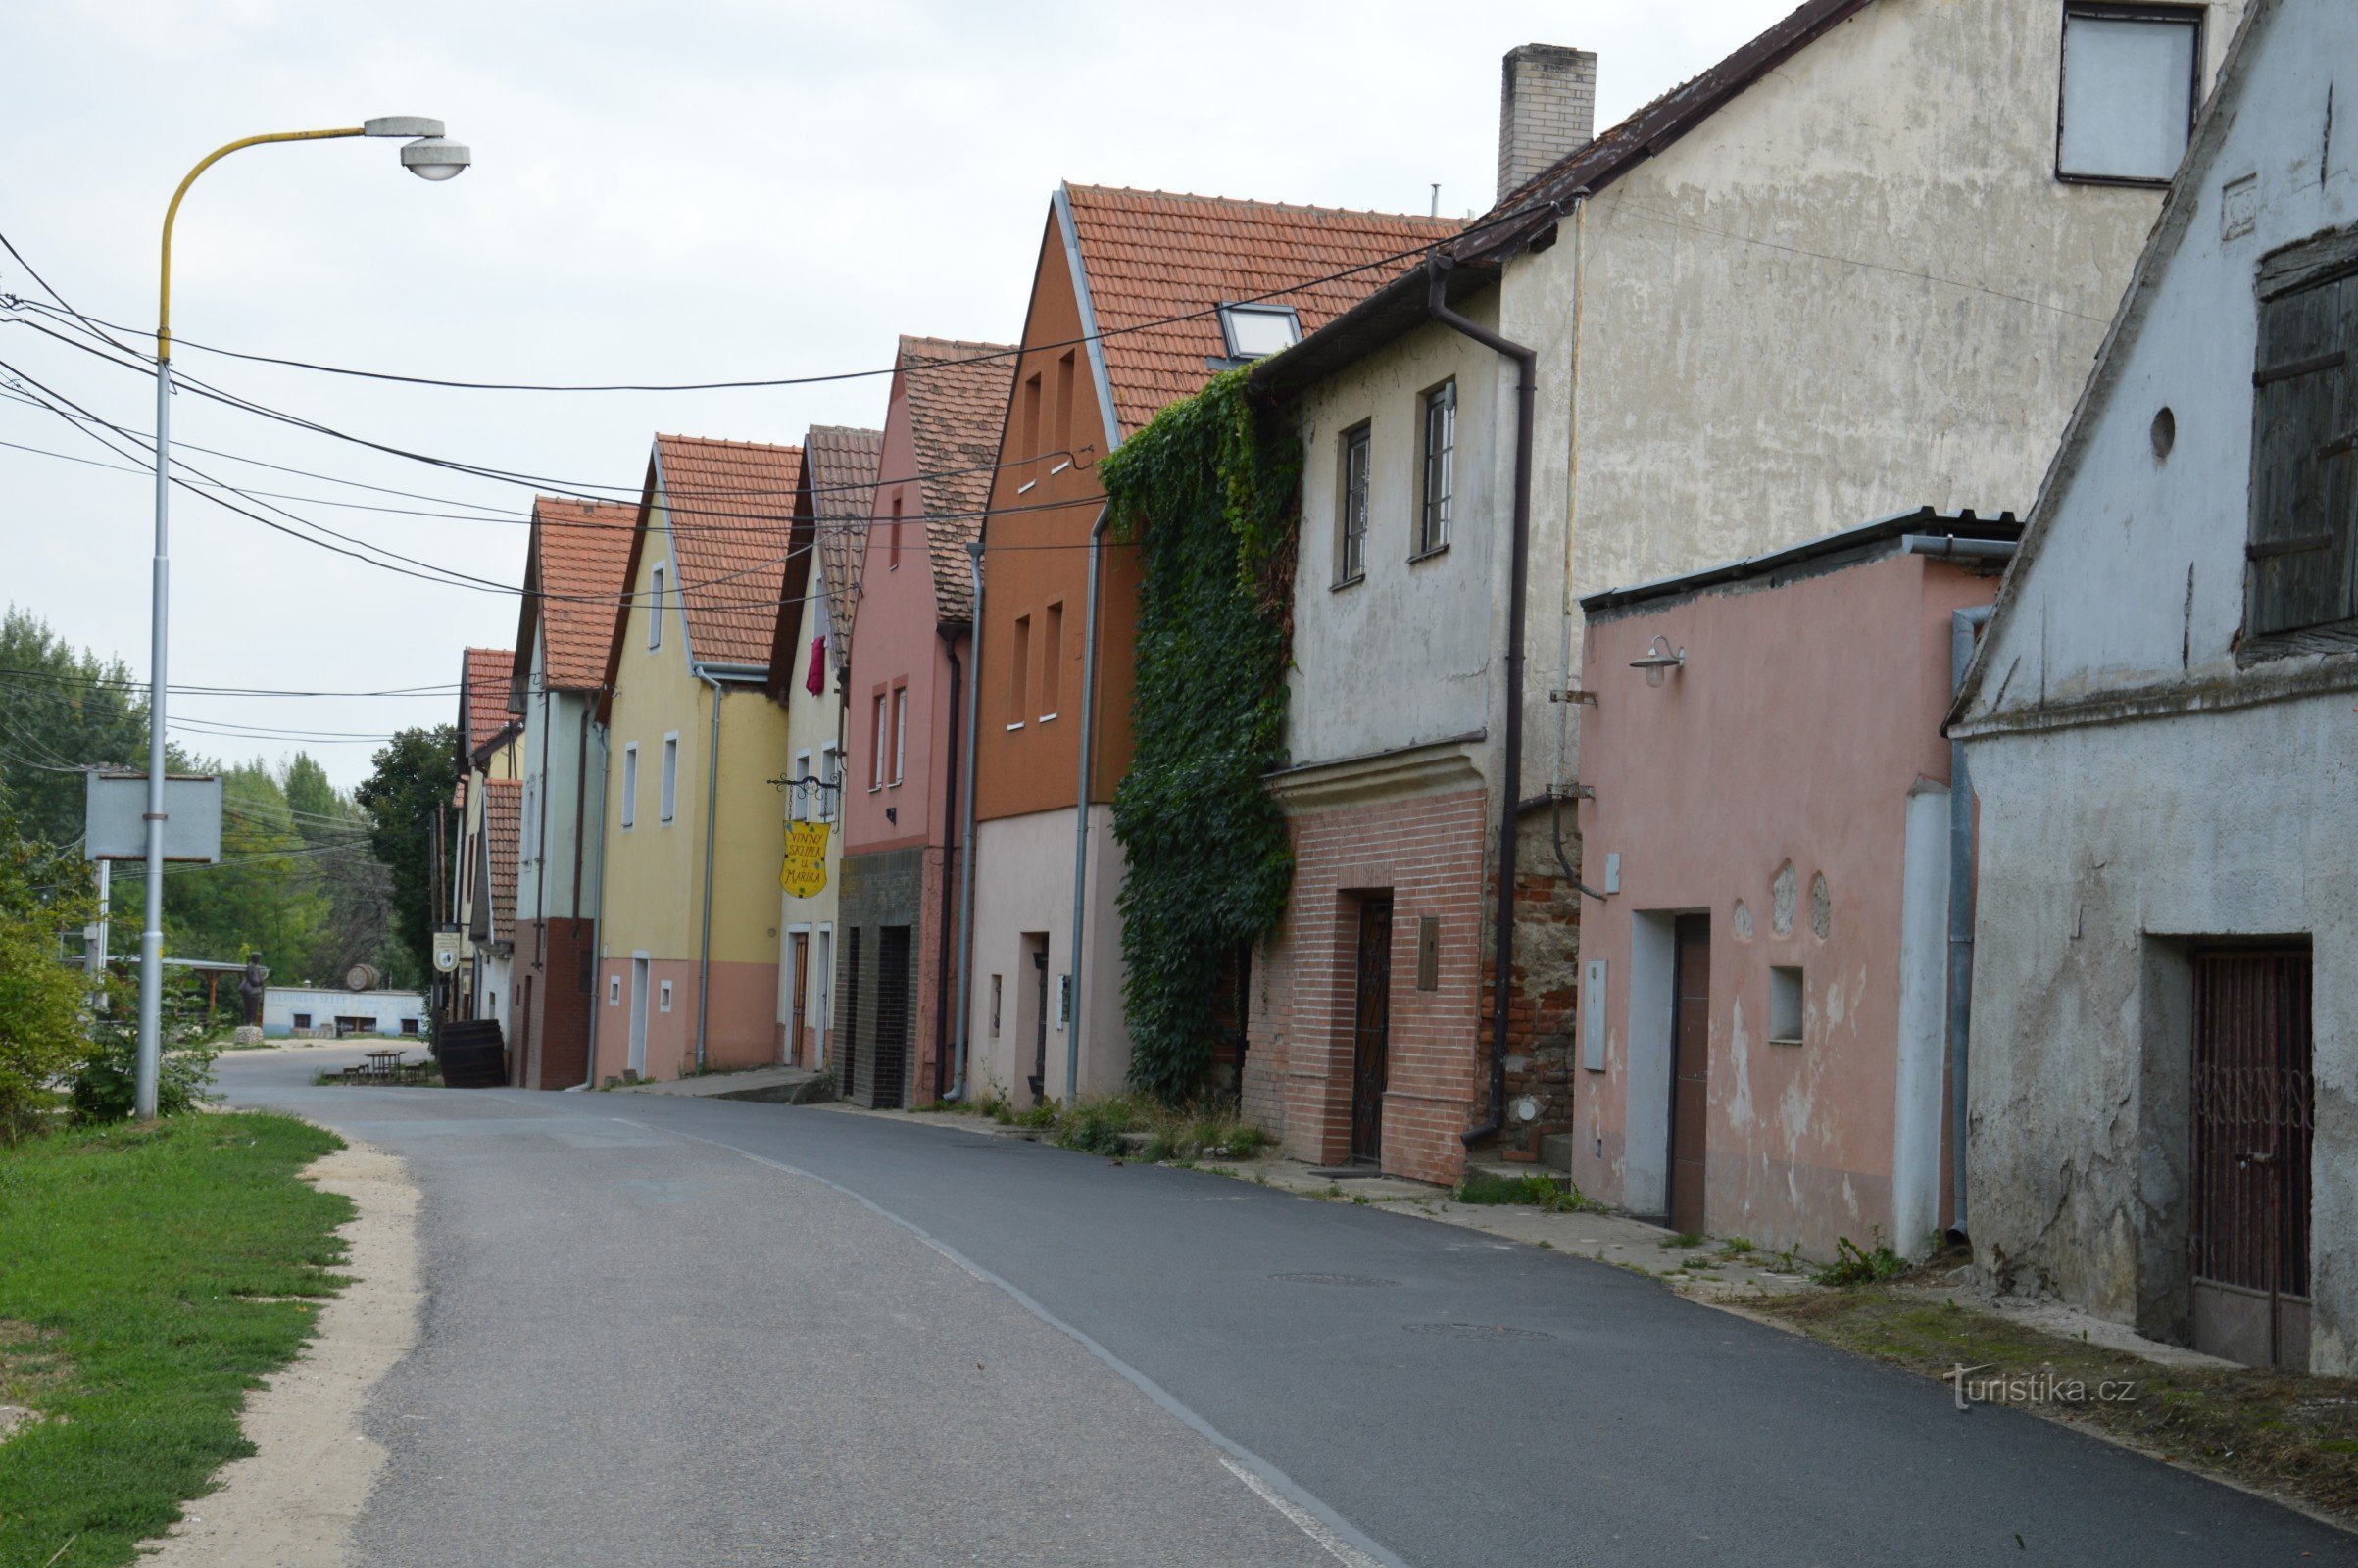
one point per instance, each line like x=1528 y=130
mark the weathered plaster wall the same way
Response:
x=1770 y=783
x=1023 y=884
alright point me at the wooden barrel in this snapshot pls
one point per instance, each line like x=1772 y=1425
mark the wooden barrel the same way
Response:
x=473 y=1054
x=362 y=977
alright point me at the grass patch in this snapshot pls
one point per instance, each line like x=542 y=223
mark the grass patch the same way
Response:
x=1180 y=1135
x=1540 y=1192
x=1851 y=1267
x=130 y=1263
x=2296 y=1437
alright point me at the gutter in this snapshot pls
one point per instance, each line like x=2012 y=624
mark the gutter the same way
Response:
x=949 y=634
x=711 y=807
x=1510 y=770
x=966 y=874
x=1080 y=823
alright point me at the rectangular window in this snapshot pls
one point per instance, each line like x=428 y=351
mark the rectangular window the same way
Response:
x=654 y=607
x=2304 y=501
x=2132 y=82
x=798 y=806
x=994 y=1007
x=899 y=730
x=1440 y=468
x=670 y=795
x=1031 y=417
x=1051 y=659
x=1351 y=518
x=302 y=1019
x=663 y=995
x=1064 y=384
x=876 y=747
x=892 y=537
x=829 y=778
x=1784 y=1005
x=408 y=1026
x=630 y=785
x=614 y=991
x=1020 y=674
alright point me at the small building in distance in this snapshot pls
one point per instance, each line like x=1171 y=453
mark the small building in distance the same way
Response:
x=314 y=1012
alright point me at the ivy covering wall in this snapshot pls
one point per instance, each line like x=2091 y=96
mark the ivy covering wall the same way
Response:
x=1208 y=492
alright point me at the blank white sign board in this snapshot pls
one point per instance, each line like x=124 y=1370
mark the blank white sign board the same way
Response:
x=115 y=820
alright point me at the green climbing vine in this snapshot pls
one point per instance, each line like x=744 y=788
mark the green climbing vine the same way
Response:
x=1208 y=492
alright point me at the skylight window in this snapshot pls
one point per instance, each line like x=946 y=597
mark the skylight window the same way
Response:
x=1254 y=331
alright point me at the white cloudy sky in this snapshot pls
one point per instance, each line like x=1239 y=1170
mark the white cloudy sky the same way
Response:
x=697 y=190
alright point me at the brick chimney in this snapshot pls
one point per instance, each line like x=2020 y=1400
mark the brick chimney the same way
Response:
x=1546 y=107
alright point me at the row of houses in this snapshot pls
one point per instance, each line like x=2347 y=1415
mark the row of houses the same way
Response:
x=1819 y=687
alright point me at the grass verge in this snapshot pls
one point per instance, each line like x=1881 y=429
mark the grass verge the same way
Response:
x=1541 y=1191
x=2293 y=1437
x=1097 y=1126
x=148 y=1278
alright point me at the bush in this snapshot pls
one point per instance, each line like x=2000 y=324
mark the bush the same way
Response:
x=1542 y=1192
x=106 y=1081
x=1850 y=1266
x=43 y=899
x=1096 y=1127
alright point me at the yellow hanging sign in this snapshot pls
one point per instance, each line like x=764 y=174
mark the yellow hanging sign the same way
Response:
x=803 y=873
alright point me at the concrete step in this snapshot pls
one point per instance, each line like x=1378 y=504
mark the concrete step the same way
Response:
x=772 y=1085
x=1556 y=1150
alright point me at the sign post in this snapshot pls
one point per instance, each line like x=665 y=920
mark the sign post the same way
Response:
x=179 y=818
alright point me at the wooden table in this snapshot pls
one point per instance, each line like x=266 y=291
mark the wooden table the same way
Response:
x=385 y=1064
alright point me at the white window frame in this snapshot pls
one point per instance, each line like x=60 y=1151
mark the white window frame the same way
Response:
x=668 y=800
x=798 y=808
x=2118 y=13
x=655 y=606
x=663 y=995
x=1435 y=491
x=899 y=729
x=630 y=785
x=876 y=745
x=830 y=780
x=1351 y=522
x=1257 y=311
x=614 y=991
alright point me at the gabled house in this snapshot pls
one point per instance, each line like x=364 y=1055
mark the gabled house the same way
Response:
x=909 y=694
x=490 y=747
x=1137 y=300
x=808 y=660
x=687 y=937
x=1856 y=268
x=2163 y=1082
x=573 y=570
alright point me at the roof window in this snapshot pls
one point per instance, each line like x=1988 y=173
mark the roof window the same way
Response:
x=1256 y=331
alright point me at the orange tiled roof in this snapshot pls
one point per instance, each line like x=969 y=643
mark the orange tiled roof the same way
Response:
x=731 y=510
x=838 y=466
x=957 y=403
x=503 y=825
x=572 y=580
x=483 y=676
x=1150 y=255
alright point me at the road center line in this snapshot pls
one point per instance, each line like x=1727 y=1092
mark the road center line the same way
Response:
x=1299 y=1507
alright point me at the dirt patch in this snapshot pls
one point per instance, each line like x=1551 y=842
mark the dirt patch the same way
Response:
x=295 y=1502
x=2295 y=1439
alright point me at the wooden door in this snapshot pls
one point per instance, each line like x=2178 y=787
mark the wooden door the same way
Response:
x=1038 y=1078
x=2253 y=1111
x=800 y=969
x=1371 y=1029
x=1690 y=1070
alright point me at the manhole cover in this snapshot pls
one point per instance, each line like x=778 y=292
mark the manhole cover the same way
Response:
x=1331 y=1279
x=1477 y=1331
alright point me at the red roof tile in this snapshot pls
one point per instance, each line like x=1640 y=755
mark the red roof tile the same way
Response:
x=573 y=577
x=503 y=825
x=956 y=395
x=1152 y=254
x=483 y=676
x=732 y=510
x=839 y=473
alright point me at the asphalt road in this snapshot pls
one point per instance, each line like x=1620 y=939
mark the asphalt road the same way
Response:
x=672 y=1331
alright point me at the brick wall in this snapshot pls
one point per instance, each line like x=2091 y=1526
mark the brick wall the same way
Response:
x=892 y=890
x=1432 y=855
x=1546 y=107
x=556 y=955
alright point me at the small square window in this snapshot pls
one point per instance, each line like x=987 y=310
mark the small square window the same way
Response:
x=2132 y=77
x=1784 y=1005
x=303 y=1020
x=663 y=995
x=614 y=991
x=408 y=1026
x=1256 y=331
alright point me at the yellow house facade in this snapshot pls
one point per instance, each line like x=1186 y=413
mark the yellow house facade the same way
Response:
x=688 y=938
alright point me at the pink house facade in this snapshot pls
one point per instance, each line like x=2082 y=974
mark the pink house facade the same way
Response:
x=1763 y=1044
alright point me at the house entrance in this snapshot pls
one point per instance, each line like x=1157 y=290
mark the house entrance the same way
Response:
x=798 y=965
x=2253 y=1113
x=891 y=1070
x=1371 y=1029
x=1035 y=953
x=1689 y=1069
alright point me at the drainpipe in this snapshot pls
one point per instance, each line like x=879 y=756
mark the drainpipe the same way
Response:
x=1080 y=823
x=711 y=806
x=965 y=846
x=1962 y=624
x=941 y=969
x=1511 y=763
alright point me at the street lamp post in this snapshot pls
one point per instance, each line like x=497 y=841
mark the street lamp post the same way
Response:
x=427 y=155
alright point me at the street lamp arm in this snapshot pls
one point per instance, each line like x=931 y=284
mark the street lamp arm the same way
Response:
x=173 y=211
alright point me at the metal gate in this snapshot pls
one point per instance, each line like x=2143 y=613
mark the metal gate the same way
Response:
x=1371 y=1032
x=889 y=1068
x=2252 y=1112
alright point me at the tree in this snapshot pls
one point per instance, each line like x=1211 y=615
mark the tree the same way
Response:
x=62 y=709
x=44 y=899
x=410 y=783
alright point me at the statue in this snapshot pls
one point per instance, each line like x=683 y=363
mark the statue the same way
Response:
x=250 y=987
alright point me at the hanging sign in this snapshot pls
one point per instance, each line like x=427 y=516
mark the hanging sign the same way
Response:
x=803 y=873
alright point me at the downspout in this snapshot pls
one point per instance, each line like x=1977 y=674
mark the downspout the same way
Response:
x=1510 y=780
x=1962 y=625
x=965 y=850
x=1080 y=822
x=711 y=806
x=941 y=969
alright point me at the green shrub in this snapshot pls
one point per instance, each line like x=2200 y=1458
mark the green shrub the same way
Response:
x=1850 y=1266
x=1541 y=1191
x=106 y=1080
